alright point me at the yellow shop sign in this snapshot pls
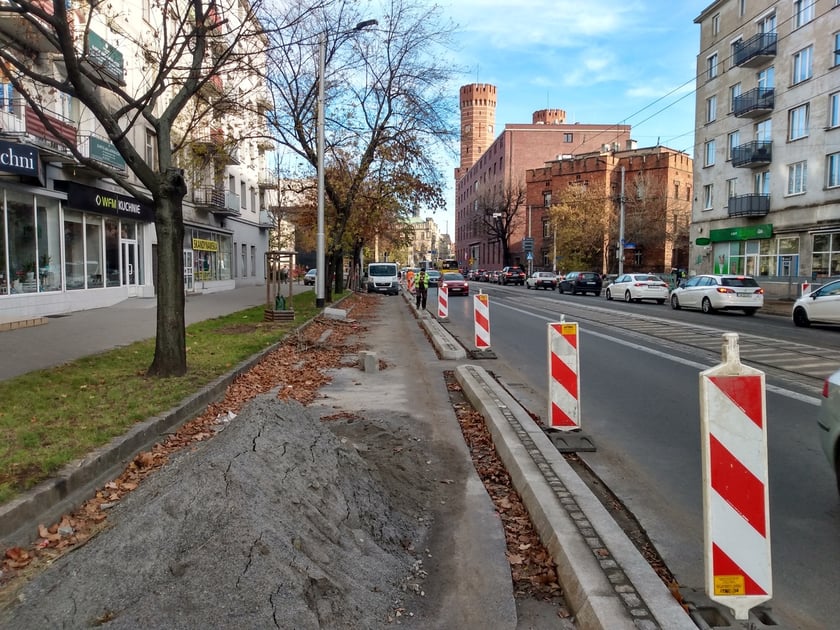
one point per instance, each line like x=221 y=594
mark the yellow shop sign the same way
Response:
x=204 y=245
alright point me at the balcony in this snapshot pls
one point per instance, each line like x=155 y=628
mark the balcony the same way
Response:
x=749 y=205
x=752 y=154
x=756 y=102
x=755 y=51
x=40 y=136
x=12 y=120
x=20 y=29
x=217 y=200
x=267 y=180
x=212 y=144
x=213 y=87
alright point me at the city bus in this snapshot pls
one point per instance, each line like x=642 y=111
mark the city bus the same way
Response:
x=450 y=264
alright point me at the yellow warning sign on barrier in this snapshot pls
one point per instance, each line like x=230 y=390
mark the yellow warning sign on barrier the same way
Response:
x=730 y=585
x=568 y=329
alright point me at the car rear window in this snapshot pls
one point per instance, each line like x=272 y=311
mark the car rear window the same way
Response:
x=739 y=282
x=588 y=276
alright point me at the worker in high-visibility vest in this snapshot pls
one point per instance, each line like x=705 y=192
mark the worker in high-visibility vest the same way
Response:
x=422 y=286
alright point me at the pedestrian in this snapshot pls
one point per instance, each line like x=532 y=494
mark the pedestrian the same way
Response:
x=421 y=283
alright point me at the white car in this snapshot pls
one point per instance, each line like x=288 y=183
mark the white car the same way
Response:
x=635 y=287
x=541 y=280
x=828 y=420
x=819 y=306
x=712 y=293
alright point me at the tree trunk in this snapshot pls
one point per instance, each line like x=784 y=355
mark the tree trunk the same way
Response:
x=170 y=343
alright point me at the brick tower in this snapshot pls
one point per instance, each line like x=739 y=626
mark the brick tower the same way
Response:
x=478 y=123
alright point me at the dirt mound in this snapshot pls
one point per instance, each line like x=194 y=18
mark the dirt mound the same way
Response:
x=278 y=522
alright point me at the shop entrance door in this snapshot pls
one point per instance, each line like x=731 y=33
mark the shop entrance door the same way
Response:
x=129 y=266
x=189 y=277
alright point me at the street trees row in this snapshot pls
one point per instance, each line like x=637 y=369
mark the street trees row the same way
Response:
x=386 y=89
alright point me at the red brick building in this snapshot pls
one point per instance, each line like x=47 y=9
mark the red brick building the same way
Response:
x=490 y=166
x=658 y=185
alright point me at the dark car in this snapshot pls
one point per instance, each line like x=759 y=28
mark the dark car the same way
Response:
x=512 y=275
x=581 y=282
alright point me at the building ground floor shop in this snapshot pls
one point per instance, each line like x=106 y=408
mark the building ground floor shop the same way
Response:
x=75 y=247
x=784 y=256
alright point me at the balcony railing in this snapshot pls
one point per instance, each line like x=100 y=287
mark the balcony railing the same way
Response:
x=756 y=102
x=752 y=154
x=12 y=119
x=216 y=200
x=37 y=131
x=756 y=50
x=749 y=205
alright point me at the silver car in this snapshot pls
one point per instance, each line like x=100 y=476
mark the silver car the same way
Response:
x=828 y=420
x=819 y=306
x=712 y=293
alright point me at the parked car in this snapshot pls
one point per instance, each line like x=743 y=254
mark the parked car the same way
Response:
x=309 y=277
x=635 y=287
x=455 y=283
x=493 y=276
x=828 y=420
x=819 y=306
x=541 y=280
x=718 y=292
x=581 y=282
x=512 y=275
x=434 y=277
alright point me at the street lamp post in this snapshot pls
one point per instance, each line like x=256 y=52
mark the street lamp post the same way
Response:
x=320 y=245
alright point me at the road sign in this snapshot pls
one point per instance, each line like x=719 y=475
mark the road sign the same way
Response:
x=530 y=256
x=528 y=244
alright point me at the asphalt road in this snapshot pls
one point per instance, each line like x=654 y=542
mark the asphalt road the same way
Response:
x=639 y=401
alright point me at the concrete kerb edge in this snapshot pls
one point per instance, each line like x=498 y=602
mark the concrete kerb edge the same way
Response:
x=78 y=480
x=590 y=593
x=445 y=344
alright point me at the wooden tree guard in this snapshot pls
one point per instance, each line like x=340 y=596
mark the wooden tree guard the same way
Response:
x=278 y=266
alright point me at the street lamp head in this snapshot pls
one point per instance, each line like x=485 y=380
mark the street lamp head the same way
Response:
x=365 y=24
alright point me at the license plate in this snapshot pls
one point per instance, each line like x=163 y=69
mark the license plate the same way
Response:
x=744 y=294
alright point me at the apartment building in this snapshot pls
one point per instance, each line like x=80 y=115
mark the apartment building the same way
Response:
x=491 y=165
x=767 y=148
x=71 y=239
x=657 y=189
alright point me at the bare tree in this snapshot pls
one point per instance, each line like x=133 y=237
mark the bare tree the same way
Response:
x=388 y=104
x=179 y=50
x=500 y=216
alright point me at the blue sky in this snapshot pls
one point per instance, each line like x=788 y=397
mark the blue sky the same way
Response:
x=602 y=61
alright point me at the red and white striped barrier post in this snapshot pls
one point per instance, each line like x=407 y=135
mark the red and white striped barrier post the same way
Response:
x=410 y=284
x=736 y=510
x=443 y=301
x=481 y=314
x=564 y=376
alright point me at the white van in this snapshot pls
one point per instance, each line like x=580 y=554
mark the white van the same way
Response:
x=382 y=277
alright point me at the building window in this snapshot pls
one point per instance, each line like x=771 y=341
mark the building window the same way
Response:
x=803 y=12
x=732 y=141
x=834 y=110
x=798 y=122
x=802 y=64
x=243 y=200
x=833 y=170
x=767 y=78
x=731 y=187
x=734 y=92
x=767 y=24
x=712 y=66
x=151 y=149
x=742 y=8
x=547 y=199
x=716 y=24
x=797 y=173
x=711 y=109
x=708 y=196
x=825 y=259
x=568 y=137
x=836 y=55
x=761 y=184
x=709 y=153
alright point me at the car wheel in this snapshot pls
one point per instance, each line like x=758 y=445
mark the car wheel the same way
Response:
x=750 y=311
x=609 y=295
x=675 y=303
x=706 y=306
x=628 y=297
x=560 y=288
x=800 y=318
x=527 y=286
x=660 y=301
